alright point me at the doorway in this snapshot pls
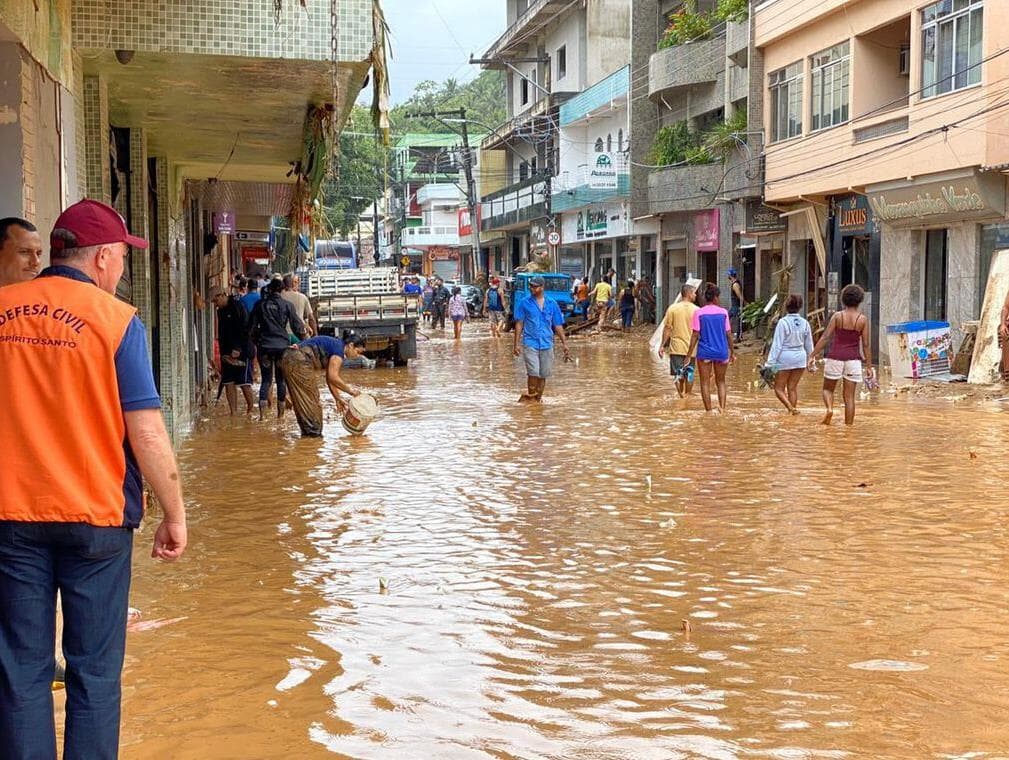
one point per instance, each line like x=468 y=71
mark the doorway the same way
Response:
x=936 y=267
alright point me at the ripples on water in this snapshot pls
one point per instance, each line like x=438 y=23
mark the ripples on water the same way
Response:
x=480 y=579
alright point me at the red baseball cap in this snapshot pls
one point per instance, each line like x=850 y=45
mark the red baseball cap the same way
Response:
x=92 y=223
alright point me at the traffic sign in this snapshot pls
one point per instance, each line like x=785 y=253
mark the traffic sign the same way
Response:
x=405 y=261
x=554 y=237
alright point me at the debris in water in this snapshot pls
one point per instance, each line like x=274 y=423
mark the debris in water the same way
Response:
x=863 y=485
x=383 y=585
x=648 y=480
x=896 y=666
x=685 y=627
x=670 y=523
x=151 y=625
x=972 y=455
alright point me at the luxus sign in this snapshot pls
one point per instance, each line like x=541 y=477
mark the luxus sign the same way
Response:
x=603 y=173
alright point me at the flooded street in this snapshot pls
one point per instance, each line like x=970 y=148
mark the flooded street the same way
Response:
x=475 y=578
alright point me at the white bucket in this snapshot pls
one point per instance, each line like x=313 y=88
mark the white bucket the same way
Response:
x=360 y=412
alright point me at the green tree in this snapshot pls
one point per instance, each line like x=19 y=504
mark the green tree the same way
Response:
x=483 y=98
x=360 y=176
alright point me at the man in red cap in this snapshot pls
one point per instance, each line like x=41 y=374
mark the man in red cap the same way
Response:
x=82 y=422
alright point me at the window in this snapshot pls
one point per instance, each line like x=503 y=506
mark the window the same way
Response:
x=524 y=87
x=620 y=140
x=609 y=143
x=562 y=62
x=831 y=81
x=950 y=46
x=523 y=171
x=936 y=254
x=599 y=145
x=786 y=102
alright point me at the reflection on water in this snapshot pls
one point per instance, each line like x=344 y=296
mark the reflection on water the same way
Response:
x=480 y=579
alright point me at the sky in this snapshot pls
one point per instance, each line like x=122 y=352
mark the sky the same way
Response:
x=433 y=39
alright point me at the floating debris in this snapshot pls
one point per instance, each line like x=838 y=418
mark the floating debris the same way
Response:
x=893 y=666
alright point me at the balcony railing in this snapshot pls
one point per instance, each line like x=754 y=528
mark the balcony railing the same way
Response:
x=537 y=9
x=417 y=237
x=685 y=65
x=602 y=94
x=515 y=204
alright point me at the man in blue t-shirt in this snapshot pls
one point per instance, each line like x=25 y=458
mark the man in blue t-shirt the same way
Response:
x=301 y=364
x=494 y=305
x=537 y=320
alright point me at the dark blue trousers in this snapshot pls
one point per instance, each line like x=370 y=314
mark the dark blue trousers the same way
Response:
x=90 y=567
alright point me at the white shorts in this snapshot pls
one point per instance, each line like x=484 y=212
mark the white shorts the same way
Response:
x=850 y=369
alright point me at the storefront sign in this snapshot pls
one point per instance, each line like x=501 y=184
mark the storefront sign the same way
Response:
x=603 y=172
x=762 y=219
x=465 y=223
x=591 y=224
x=706 y=230
x=853 y=215
x=976 y=196
x=224 y=222
x=538 y=236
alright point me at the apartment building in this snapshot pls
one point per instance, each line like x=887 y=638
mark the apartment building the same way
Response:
x=552 y=50
x=696 y=108
x=188 y=119
x=887 y=149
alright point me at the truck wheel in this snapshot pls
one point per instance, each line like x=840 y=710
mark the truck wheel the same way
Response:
x=397 y=360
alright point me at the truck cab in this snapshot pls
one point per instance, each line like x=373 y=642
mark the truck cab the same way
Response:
x=558 y=288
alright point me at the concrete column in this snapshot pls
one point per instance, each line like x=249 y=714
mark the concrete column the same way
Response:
x=139 y=223
x=899 y=281
x=12 y=190
x=96 y=138
x=962 y=277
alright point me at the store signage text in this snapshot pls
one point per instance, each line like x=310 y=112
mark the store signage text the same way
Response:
x=853 y=215
x=925 y=204
x=603 y=173
x=761 y=218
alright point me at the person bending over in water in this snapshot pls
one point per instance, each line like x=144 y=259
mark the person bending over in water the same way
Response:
x=712 y=337
x=848 y=335
x=790 y=351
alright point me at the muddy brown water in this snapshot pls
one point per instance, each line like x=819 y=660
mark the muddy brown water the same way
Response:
x=479 y=579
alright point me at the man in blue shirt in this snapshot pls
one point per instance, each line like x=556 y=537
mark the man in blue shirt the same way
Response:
x=537 y=320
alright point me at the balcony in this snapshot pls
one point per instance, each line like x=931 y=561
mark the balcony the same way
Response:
x=536 y=119
x=427 y=237
x=539 y=14
x=433 y=193
x=571 y=190
x=687 y=65
x=516 y=204
x=739 y=83
x=684 y=188
x=737 y=41
x=603 y=96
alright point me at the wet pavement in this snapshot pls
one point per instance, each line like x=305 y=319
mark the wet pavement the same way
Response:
x=481 y=579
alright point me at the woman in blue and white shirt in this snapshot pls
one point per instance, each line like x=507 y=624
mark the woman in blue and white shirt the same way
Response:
x=790 y=352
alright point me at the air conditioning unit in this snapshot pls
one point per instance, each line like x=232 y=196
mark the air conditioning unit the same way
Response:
x=904 y=60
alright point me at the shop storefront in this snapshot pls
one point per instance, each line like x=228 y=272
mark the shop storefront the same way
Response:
x=766 y=227
x=931 y=238
x=600 y=233
x=854 y=252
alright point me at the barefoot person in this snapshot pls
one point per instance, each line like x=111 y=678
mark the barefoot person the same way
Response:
x=494 y=306
x=790 y=351
x=676 y=334
x=458 y=312
x=711 y=335
x=537 y=320
x=848 y=335
x=301 y=365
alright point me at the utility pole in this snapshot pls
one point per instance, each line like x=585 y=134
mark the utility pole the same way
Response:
x=467 y=165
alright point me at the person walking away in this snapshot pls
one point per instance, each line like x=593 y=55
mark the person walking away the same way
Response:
x=790 y=351
x=711 y=336
x=75 y=448
x=627 y=306
x=458 y=312
x=736 y=302
x=538 y=320
x=302 y=306
x=233 y=344
x=582 y=297
x=850 y=350
x=301 y=365
x=646 y=300
x=427 y=296
x=602 y=297
x=676 y=333
x=411 y=287
x=20 y=250
x=439 y=304
x=268 y=325
x=494 y=305
x=251 y=295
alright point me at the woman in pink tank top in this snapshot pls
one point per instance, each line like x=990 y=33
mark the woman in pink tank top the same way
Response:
x=848 y=335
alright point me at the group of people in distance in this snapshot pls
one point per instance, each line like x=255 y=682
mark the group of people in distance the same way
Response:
x=600 y=301
x=704 y=336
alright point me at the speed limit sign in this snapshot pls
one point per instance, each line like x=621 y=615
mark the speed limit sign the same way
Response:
x=554 y=238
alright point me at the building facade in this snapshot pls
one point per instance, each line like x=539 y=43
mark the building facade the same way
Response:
x=187 y=120
x=887 y=149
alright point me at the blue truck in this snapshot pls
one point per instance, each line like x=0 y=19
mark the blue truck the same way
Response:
x=558 y=288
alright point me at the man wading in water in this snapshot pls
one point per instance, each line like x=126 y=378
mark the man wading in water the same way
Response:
x=537 y=320
x=301 y=363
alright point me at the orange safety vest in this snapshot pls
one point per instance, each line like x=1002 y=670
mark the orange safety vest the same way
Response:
x=65 y=457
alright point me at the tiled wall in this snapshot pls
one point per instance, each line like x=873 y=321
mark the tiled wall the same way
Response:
x=29 y=125
x=95 y=102
x=42 y=27
x=245 y=28
x=140 y=263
